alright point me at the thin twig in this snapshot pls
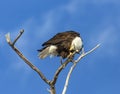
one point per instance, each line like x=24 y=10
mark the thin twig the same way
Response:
x=84 y=54
x=21 y=32
x=74 y=65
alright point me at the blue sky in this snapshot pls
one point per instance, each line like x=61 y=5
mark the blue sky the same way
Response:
x=98 y=21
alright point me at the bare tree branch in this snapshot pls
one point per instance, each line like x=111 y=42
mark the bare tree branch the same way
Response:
x=84 y=54
x=23 y=57
x=74 y=65
x=21 y=32
x=59 y=70
x=67 y=79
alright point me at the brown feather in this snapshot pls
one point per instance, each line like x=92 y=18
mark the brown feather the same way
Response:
x=61 y=37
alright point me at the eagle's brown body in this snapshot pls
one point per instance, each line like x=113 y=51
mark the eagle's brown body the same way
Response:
x=61 y=45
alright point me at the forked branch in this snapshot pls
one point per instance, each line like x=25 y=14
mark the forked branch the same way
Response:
x=60 y=69
x=12 y=45
x=74 y=65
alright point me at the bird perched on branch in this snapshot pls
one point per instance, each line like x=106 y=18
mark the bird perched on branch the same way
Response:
x=62 y=44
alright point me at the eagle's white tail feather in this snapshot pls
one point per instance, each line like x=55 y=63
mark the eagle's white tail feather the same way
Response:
x=44 y=53
x=48 y=51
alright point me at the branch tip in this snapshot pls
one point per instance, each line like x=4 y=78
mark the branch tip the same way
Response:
x=19 y=35
x=8 y=37
x=22 y=30
x=98 y=45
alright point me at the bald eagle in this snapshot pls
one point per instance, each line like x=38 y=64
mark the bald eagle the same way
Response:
x=62 y=44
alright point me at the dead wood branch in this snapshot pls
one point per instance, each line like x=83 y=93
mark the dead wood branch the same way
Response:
x=74 y=65
x=12 y=45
